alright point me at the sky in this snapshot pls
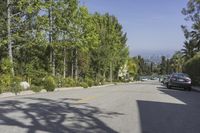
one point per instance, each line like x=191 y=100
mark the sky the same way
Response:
x=152 y=26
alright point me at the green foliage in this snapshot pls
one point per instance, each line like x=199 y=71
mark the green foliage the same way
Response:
x=89 y=82
x=176 y=62
x=1 y=89
x=132 y=67
x=37 y=81
x=193 y=33
x=191 y=67
x=145 y=67
x=49 y=83
x=15 y=87
x=34 y=75
x=36 y=88
x=5 y=66
x=5 y=81
x=188 y=49
x=100 y=80
x=69 y=82
x=92 y=42
x=84 y=85
x=9 y=83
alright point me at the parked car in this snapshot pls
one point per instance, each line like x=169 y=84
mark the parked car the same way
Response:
x=180 y=80
x=154 y=78
x=144 y=79
x=166 y=79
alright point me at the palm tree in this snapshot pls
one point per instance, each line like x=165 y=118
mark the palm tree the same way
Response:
x=196 y=35
x=189 y=49
x=177 y=62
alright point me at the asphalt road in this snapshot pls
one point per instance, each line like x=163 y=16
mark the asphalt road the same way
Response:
x=144 y=107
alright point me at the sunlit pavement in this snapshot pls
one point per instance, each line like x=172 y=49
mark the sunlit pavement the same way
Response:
x=145 y=107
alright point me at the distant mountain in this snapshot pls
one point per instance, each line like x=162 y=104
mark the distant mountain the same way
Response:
x=153 y=56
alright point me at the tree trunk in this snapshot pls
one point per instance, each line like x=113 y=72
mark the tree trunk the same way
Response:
x=76 y=64
x=111 y=72
x=64 y=63
x=53 y=63
x=52 y=54
x=104 y=76
x=72 y=61
x=9 y=37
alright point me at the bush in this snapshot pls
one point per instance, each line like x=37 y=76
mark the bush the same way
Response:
x=65 y=82
x=69 y=82
x=49 y=83
x=15 y=87
x=1 y=89
x=5 y=66
x=37 y=81
x=84 y=85
x=9 y=83
x=192 y=67
x=100 y=79
x=5 y=81
x=58 y=81
x=97 y=83
x=89 y=81
x=36 y=88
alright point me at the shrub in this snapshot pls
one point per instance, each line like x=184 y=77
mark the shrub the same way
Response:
x=35 y=76
x=89 y=81
x=5 y=81
x=191 y=67
x=9 y=83
x=49 y=83
x=65 y=82
x=36 y=88
x=15 y=87
x=6 y=66
x=58 y=81
x=84 y=85
x=100 y=79
x=37 y=81
x=1 y=89
x=69 y=82
x=97 y=83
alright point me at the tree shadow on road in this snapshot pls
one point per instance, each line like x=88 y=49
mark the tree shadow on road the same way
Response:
x=171 y=117
x=53 y=116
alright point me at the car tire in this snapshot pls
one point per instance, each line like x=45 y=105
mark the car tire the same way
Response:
x=168 y=86
x=189 y=88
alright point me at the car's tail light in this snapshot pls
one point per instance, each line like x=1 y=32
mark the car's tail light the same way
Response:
x=188 y=80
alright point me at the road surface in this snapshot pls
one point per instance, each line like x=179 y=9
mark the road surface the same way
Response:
x=145 y=107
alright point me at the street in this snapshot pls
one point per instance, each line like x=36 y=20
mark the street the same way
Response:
x=143 y=107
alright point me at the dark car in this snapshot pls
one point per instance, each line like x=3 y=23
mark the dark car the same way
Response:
x=180 y=80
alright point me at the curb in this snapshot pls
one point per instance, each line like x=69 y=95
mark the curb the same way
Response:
x=22 y=93
x=29 y=92
x=66 y=88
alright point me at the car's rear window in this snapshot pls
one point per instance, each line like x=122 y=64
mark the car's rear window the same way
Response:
x=180 y=75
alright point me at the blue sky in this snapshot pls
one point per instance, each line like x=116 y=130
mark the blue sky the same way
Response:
x=153 y=26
